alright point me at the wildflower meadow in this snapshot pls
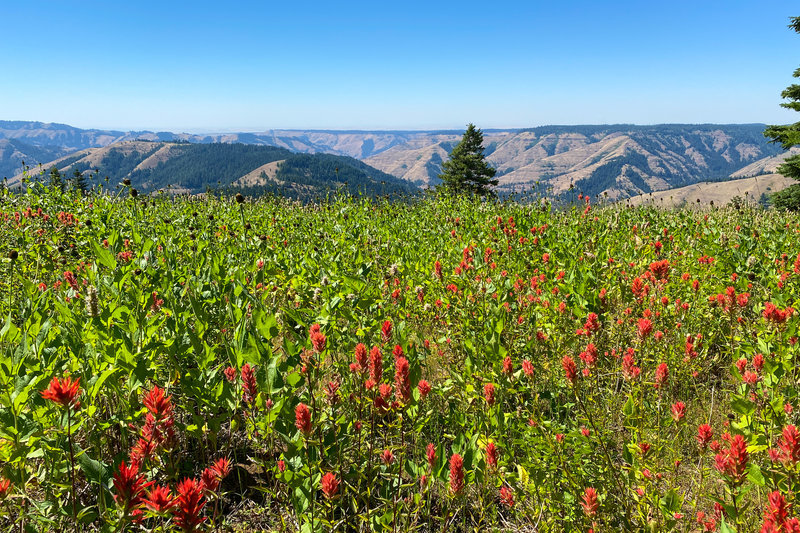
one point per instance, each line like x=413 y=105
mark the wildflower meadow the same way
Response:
x=425 y=364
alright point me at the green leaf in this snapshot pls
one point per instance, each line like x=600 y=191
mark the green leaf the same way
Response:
x=755 y=476
x=104 y=257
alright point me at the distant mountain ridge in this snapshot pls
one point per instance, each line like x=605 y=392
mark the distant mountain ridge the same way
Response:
x=617 y=161
x=182 y=167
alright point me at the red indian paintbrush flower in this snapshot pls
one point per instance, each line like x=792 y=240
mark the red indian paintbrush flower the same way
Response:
x=387 y=456
x=430 y=454
x=130 y=486
x=508 y=366
x=491 y=455
x=64 y=392
x=375 y=365
x=456 y=473
x=507 y=497
x=704 y=435
x=402 y=382
x=361 y=357
x=189 y=505
x=249 y=386
x=776 y=515
x=570 y=369
x=789 y=445
x=527 y=368
x=644 y=327
x=488 y=393
x=330 y=485
x=424 y=388
x=629 y=369
x=160 y=500
x=386 y=330
x=210 y=480
x=733 y=461
x=5 y=485
x=589 y=502
x=230 y=374
x=662 y=374
x=158 y=403
x=678 y=411
x=222 y=467
x=302 y=418
x=318 y=340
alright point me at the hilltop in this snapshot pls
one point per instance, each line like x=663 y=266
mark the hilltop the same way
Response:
x=193 y=168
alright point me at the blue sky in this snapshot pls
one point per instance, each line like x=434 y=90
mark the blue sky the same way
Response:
x=249 y=66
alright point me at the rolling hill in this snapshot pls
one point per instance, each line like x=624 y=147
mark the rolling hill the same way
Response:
x=193 y=168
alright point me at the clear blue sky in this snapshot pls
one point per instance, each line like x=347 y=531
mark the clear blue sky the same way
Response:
x=250 y=66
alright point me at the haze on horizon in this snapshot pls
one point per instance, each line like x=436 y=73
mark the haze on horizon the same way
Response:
x=251 y=66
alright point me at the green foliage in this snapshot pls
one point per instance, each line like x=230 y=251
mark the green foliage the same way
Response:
x=788 y=136
x=788 y=198
x=467 y=171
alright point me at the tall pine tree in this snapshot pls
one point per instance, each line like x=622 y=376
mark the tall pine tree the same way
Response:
x=467 y=171
x=788 y=136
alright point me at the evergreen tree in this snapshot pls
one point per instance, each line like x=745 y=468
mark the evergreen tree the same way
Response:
x=55 y=179
x=467 y=171
x=789 y=136
x=79 y=181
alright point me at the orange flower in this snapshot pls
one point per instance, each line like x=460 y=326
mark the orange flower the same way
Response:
x=330 y=485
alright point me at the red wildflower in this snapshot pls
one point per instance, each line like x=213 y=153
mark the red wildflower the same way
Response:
x=189 y=504
x=660 y=269
x=741 y=364
x=430 y=454
x=589 y=502
x=758 y=362
x=332 y=392
x=629 y=368
x=230 y=374
x=302 y=418
x=424 y=388
x=437 y=270
x=387 y=456
x=488 y=393
x=527 y=368
x=330 y=485
x=776 y=515
x=249 y=386
x=210 y=480
x=678 y=411
x=160 y=500
x=375 y=365
x=386 y=330
x=401 y=380
x=507 y=497
x=64 y=392
x=361 y=357
x=789 y=445
x=456 y=473
x=5 y=485
x=644 y=327
x=318 y=340
x=570 y=370
x=508 y=366
x=662 y=374
x=158 y=403
x=750 y=378
x=130 y=486
x=491 y=455
x=733 y=461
